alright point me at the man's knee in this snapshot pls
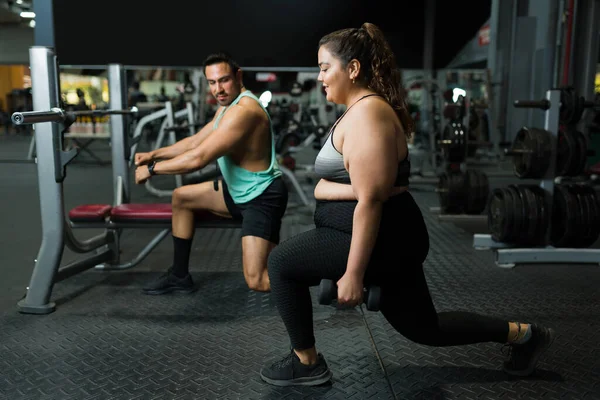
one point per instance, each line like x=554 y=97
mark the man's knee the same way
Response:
x=190 y=197
x=258 y=281
x=179 y=198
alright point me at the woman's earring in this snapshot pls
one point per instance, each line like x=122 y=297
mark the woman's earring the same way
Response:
x=353 y=80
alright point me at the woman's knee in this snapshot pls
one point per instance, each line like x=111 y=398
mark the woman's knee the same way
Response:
x=276 y=262
x=422 y=329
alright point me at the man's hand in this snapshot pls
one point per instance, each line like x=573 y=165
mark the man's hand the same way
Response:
x=350 y=290
x=142 y=158
x=142 y=174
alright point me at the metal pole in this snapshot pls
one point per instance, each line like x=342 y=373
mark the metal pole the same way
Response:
x=427 y=107
x=118 y=100
x=45 y=84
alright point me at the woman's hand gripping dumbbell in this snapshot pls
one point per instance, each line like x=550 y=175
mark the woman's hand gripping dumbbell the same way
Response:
x=328 y=292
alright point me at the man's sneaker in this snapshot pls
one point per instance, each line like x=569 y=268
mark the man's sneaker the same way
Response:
x=291 y=372
x=522 y=358
x=168 y=282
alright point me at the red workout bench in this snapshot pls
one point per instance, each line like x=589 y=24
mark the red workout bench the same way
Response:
x=139 y=215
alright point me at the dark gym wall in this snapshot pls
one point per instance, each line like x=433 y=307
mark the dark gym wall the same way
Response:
x=259 y=33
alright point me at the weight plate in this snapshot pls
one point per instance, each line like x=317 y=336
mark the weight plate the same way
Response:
x=543 y=216
x=532 y=215
x=595 y=204
x=518 y=214
x=472 y=190
x=499 y=222
x=564 y=210
x=581 y=216
x=564 y=153
x=581 y=153
x=541 y=161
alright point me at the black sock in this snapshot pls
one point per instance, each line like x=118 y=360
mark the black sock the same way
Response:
x=181 y=256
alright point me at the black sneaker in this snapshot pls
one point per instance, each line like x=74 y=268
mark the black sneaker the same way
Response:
x=291 y=372
x=522 y=358
x=168 y=282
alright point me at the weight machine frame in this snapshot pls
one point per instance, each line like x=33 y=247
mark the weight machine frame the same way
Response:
x=507 y=256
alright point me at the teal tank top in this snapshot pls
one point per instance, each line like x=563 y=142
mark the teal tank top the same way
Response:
x=245 y=185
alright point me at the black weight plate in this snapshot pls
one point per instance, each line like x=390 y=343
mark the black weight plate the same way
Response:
x=522 y=162
x=521 y=234
x=499 y=221
x=590 y=215
x=574 y=153
x=571 y=106
x=451 y=192
x=542 y=140
x=564 y=210
x=442 y=190
x=484 y=191
x=595 y=204
x=518 y=215
x=532 y=207
x=543 y=216
x=457 y=187
x=563 y=153
x=471 y=188
x=581 y=216
x=541 y=145
x=476 y=192
x=581 y=153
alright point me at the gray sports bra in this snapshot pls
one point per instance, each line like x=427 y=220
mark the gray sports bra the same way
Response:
x=329 y=163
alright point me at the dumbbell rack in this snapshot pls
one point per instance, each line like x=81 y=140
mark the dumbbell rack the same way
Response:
x=506 y=255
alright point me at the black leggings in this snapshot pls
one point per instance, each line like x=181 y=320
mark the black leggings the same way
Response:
x=396 y=266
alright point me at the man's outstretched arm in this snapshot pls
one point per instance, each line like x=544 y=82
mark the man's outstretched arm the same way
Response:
x=183 y=145
x=233 y=128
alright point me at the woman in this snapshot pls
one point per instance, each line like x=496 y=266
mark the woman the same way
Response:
x=365 y=217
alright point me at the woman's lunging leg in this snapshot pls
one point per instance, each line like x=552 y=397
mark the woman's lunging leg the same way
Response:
x=295 y=265
x=410 y=310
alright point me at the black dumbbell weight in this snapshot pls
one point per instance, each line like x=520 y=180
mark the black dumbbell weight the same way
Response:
x=328 y=292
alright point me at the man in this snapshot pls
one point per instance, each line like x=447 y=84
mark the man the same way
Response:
x=240 y=138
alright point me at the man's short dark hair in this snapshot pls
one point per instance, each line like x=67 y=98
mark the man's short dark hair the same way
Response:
x=217 y=58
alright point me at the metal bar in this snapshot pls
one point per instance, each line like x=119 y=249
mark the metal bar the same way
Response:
x=140 y=127
x=541 y=104
x=551 y=124
x=245 y=68
x=290 y=175
x=463 y=218
x=33 y=117
x=508 y=258
x=141 y=256
x=78 y=266
x=485 y=242
x=58 y=115
x=168 y=122
x=165 y=224
x=118 y=132
x=84 y=246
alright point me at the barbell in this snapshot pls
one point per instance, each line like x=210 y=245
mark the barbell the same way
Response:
x=532 y=150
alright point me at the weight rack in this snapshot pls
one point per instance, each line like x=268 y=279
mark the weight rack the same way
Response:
x=458 y=165
x=506 y=255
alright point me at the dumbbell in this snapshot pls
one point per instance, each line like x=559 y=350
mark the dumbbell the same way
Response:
x=328 y=292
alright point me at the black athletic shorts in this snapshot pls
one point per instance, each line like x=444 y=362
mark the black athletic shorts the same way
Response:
x=262 y=215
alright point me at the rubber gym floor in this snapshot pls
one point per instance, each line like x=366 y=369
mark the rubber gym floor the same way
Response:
x=108 y=341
